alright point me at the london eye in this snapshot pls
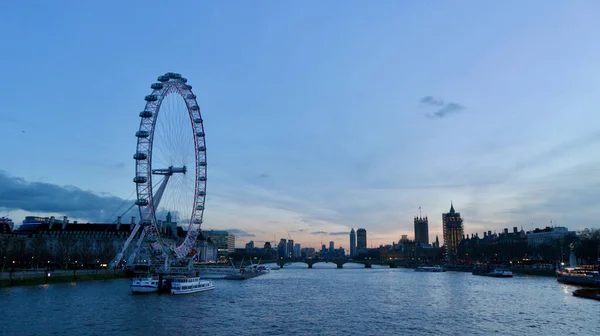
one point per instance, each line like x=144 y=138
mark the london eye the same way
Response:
x=170 y=174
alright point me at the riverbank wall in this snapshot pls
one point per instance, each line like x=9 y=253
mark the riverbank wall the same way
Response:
x=27 y=277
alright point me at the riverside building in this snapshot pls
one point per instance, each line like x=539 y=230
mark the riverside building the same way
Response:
x=452 y=225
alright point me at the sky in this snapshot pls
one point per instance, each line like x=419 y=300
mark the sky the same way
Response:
x=320 y=116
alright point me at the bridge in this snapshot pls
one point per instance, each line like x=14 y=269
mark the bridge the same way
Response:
x=339 y=262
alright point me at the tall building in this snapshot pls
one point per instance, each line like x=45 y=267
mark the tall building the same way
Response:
x=290 y=249
x=331 y=247
x=224 y=241
x=282 y=248
x=452 y=225
x=297 y=249
x=361 y=239
x=421 y=230
x=352 y=243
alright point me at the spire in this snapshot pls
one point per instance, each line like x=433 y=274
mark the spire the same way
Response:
x=451 y=207
x=169 y=217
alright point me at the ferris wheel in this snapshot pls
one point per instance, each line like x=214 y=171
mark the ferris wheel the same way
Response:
x=170 y=173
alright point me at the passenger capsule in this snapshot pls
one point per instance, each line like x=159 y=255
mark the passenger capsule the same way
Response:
x=189 y=87
x=141 y=202
x=146 y=114
x=197 y=221
x=169 y=75
x=200 y=134
x=202 y=178
x=198 y=120
x=200 y=207
x=202 y=148
x=157 y=86
x=142 y=134
x=202 y=193
x=191 y=96
x=202 y=164
x=151 y=98
x=140 y=179
x=175 y=76
x=163 y=78
x=194 y=108
x=140 y=156
x=183 y=80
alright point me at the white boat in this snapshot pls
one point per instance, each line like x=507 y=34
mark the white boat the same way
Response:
x=258 y=269
x=144 y=284
x=501 y=273
x=187 y=285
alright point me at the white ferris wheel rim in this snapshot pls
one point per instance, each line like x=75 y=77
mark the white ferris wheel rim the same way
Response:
x=170 y=83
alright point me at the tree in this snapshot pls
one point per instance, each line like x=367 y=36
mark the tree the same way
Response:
x=589 y=246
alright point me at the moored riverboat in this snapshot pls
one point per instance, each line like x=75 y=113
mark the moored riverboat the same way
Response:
x=581 y=275
x=501 y=273
x=144 y=284
x=496 y=273
x=588 y=293
x=186 y=285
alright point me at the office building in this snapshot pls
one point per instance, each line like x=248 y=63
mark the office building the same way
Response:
x=361 y=239
x=352 y=243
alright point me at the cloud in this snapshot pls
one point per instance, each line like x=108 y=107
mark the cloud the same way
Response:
x=240 y=233
x=443 y=109
x=339 y=233
x=429 y=100
x=120 y=165
x=263 y=175
x=18 y=194
x=318 y=233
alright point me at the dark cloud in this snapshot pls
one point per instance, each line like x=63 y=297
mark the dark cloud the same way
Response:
x=240 y=233
x=18 y=194
x=431 y=101
x=339 y=233
x=443 y=109
x=318 y=233
x=298 y=230
x=263 y=175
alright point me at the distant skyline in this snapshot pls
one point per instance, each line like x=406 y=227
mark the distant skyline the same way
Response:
x=320 y=116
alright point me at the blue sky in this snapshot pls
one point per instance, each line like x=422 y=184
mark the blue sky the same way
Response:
x=320 y=116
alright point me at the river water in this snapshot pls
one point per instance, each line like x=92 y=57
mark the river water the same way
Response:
x=308 y=302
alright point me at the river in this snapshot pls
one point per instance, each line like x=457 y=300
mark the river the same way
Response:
x=295 y=301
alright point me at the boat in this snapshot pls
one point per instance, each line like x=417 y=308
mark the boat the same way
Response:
x=496 y=273
x=187 y=285
x=581 y=275
x=144 y=284
x=501 y=273
x=481 y=270
x=261 y=269
x=588 y=293
x=430 y=269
